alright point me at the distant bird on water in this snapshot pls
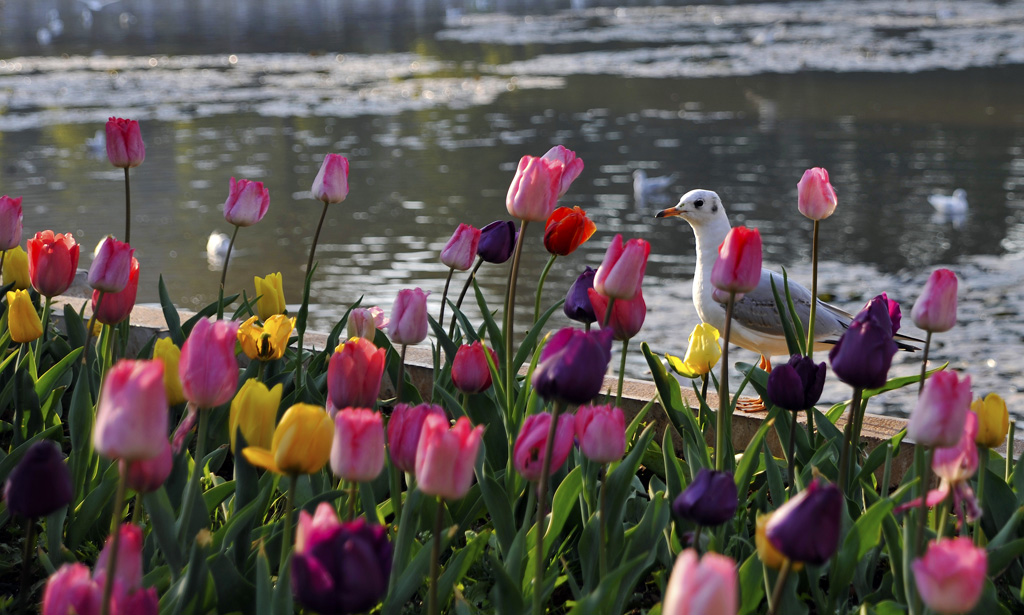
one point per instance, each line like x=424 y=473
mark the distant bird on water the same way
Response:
x=951 y=209
x=217 y=249
x=645 y=188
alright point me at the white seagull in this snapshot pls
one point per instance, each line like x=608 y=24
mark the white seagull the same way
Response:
x=647 y=187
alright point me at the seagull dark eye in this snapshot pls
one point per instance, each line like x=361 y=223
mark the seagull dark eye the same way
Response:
x=698 y=203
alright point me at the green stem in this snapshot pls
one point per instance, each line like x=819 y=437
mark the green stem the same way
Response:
x=982 y=468
x=316 y=238
x=115 y=536
x=224 y=275
x=790 y=457
x=602 y=543
x=462 y=295
x=137 y=510
x=444 y=296
x=542 y=494
x=780 y=584
x=540 y=286
x=814 y=292
x=3 y=256
x=510 y=307
x=723 y=389
x=941 y=514
x=26 y=560
x=127 y=207
x=17 y=438
x=197 y=473
x=1009 y=451
x=401 y=377
x=435 y=557
x=704 y=378
x=922 y=518
x=47 y=306
x=622 y=373
x=924 y=361
x=810 y=427
x=289 y=515
x=844 y=458
x=353 y=490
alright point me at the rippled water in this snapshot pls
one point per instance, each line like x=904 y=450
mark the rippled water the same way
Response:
x=434 y=102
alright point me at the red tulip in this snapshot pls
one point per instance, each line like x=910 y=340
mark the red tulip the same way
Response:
x=354 y=374
x=10 y=222
x=357 y=451
x=941 y=411
x=460 y=250
x=115 y=307
x=445 y=457
x=208 y=367
x=531 y=444
x=470 y=371
x=816 y=198
x=601 y=432
x=935 y=309
x=700 y=585
x=566 y=230
x=534 y=190
x=627 y=314
x=52 y=262
x=331 y=183
x=131 y=415
x=247 y=202
x=146 y=475
x=951 y=575
x=404 y=430
x=408 y=323
x=622 y=272
x=125 y=148
x=573 y=166
x=111 y=265
x=738 y=267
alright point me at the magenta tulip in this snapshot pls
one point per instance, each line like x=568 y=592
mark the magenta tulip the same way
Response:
x=959 y=463
x=601 y=432
x=115 y=307
x=622 y=271
x=470 y=370
x=131 y=415
x=533 y=194
x=627 y=314
x=445 y=457
x=331 y=183
x=52 y=262
x=935 y=309
x=364 y=322
x=404 y=428
x=938 y=418
x=354 y=374
x=460 y=250
x=10 y=222
x=208 y=368
x=531 y=444
x=357 y=451
x=147 y=475
x=128 y=567
x=701 y=586
x=125 y=148
x=72 y=590
x=738 y=266
x=816 y=198
x=111 y=265
x=247 y=202
x=573 y=166
x=409 y=317
x=951 y=575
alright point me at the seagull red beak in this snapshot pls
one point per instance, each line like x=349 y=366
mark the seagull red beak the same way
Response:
x=668 y=213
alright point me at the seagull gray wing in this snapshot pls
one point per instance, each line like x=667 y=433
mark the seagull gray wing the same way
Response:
x=757 y=310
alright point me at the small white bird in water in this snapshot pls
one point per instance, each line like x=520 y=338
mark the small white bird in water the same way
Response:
x=217 y=249
x=952 y=209
x=645 y=187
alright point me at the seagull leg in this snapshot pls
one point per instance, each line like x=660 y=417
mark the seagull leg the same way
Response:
x=755 y=404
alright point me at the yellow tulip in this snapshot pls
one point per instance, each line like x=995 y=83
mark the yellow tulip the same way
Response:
x=16 y=268
x=301 y=443
x=254 y=411
x=166 y=352
x=268 y=342
x=270 y=296
x=766 y=552
x=993 y=420
x=701 y=355
x=22 y=318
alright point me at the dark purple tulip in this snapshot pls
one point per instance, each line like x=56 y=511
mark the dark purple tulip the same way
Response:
x=497 y=240
x=862 y=356
x=709 y=500
x=572 y=365
x=577 y=304
x=796 y=385
x=339 y=568
x=895 y=315
x=40 y=484
x=806 y=528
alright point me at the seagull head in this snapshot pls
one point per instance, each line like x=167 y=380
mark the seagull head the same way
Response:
x=698 y=207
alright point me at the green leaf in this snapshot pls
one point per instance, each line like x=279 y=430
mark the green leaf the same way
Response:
x=861 y=538
x=458 y=566
x=530 y=341
x=170 y=315
x=749 y=462
x=899 y=383
x=215 y=496
x=447 y=344
x=493 y=330
x=161 y=516
x=48 y=381
x=264 y=586
x=1001 y=557
x=562 y=505
x=787 y=324
x=499 y=509
x=751 y=585
x=678 y=411
x=774 y=475
x=87 y=517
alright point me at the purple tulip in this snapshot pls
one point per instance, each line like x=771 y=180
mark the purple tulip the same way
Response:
x=806 y=528
x=572 y=365
x=497 y=241
x=710 y=500
x=862 y=356
x=40 y=484
x=895 y=314
x=577 y=304
x=796 y=385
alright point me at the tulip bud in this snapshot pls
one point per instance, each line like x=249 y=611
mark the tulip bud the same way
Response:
x=364 y=322
x=531 y=444
x=131 y=415
x=863 y=354
x=710 y=500
x=470 y=370
x=993 y=420
x=895 y=313
x=22 y=320
x=40 y=484
x=15 y=269
x=339 y=567
x=627 y=314
x=622 y=271
x=331 y=183
x=167 y=353
x=128 y=566
x=266 y=343
x=461 y=249
x=797 y=385
x=10 y=222
x=938 y=418
x=577 y=304
x=141 y=602
x=768 y=554
x=497 y=240
x=247 y=202
x=111 y=265
x=572 y=166
x=816 y=198
x=806 y=528
x=566 y=230
x=269 y=295
x=354 y=374
x=951 y=575
x=148 y=475
x=738 y=266
x=208 y=368
x=572 y=365
x=115 y=307
x=702 y=353
x=701 y=585
x=357 y=453
x=72 y=590
x=301 y=442
x=254 y=413
x=125 y=148
x=935 y=309
x=601 y=432
x=445 y=457
x=404 y=430
x=534 y=190
x=958 y=463
x=52 y=262
x=409 y=317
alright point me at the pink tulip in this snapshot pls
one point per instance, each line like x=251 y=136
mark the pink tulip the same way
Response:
x=125 y=148
x=142 y=602
x=331 y=183
x=404 y=430
x=573 y=166
x=364 y=322
x=941 y=411
x=52 y=262
x=460 y=250
x=959 y=463
x=147 y=475
x=128 y=567
x=247 y=202
x=409 y=317
x=470 y=370
x=627 y=314
x=951 y=575
x=935 y=309
x=701 y=586
x=72 y=590
x=531 y=445
x=533 y=194
x=208 y=368
x=357 y=452
x=445 y=457
x=622 y=272
x=354 y=374
x=111 y=265
x=738 y=267
x=115 y=307
x=10 y=222
x=816 y=198
x=601 y=432
x=131 y=416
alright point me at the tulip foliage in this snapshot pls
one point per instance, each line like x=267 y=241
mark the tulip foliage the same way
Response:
x=225 y=467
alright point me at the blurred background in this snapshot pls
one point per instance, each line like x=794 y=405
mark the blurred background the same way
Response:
x=435 y=101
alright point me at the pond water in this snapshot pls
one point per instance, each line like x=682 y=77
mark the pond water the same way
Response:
x=435 y=101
